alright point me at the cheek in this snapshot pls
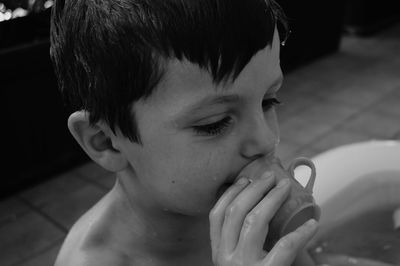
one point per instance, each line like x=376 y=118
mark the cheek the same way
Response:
x=199 y=168
x=180 y=171
x=196 y=174
x=183 y=156
x=178 y=162
x=187 y=174
x=190 y=183
x=199 y=181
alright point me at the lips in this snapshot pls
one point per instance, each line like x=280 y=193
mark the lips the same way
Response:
x=233 y=177
x=229 y=181
x=221 y=190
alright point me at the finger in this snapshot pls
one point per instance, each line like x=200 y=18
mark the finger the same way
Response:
x=217 y=213
x=287 y=248
x=255 y=226
x=304 y=258
x=240 y=206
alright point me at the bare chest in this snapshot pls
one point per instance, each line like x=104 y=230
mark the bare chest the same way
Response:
x=156 y=262
x=198 y=259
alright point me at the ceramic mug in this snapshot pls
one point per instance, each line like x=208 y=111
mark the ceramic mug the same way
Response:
x=300 y=205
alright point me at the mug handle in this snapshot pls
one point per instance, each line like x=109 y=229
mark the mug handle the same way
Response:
x=304 y=161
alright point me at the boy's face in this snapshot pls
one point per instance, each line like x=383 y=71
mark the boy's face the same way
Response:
x=197 y=137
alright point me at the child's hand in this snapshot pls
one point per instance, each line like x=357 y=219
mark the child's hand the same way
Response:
x=239 y=225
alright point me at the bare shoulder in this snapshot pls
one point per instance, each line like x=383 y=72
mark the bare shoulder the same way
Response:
x=89 y=241
x=91 y=258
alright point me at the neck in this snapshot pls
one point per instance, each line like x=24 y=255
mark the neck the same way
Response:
x=160 y=230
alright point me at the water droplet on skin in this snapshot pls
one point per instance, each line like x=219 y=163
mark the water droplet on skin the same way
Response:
x=386 y=247
x=352 y=260
x=318 y=249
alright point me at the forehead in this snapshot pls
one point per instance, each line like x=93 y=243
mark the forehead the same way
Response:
x=185 y=83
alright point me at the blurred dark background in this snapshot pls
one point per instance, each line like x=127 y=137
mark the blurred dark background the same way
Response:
x=37 y=142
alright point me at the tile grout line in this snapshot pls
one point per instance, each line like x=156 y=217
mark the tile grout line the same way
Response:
x=361 y=110
x=36 y=254
x=92 y=182
x=43 y=214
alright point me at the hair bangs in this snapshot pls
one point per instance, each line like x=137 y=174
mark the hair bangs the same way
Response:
x=108 y=54
x=220 y=36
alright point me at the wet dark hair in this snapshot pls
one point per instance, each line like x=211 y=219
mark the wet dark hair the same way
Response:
x=107 y=54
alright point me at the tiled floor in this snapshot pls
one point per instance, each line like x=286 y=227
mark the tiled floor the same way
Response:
x=352 y=95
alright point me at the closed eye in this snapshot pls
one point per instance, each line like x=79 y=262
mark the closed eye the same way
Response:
x=269 y=103
x=213 y=129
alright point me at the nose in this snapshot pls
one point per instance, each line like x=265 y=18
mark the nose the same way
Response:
x=260 y=138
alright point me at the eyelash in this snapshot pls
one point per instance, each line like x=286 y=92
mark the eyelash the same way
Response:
x=219 y=127
x=269 y=103
x=215 y=128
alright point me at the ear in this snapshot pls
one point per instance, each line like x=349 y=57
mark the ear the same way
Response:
x=97 y=142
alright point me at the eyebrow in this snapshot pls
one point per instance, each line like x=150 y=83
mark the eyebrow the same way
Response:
x=227 y=99
x=213 y=100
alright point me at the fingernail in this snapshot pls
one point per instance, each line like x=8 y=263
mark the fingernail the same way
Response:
x=242 y=181
x=311 y=223
x=267 y=175
x=282 y=183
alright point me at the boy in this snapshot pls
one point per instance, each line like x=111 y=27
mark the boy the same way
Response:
x=176 y=97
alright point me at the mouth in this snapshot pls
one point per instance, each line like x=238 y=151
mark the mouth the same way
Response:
x=232 y=178
x=224 y=187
